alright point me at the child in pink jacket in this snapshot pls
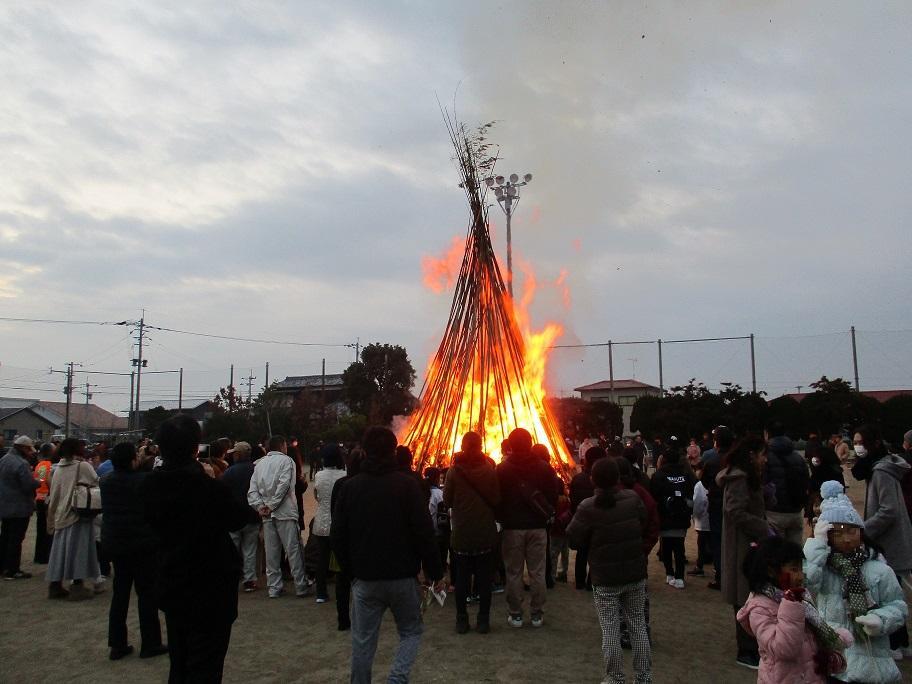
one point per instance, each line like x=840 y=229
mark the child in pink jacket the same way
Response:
x=796 y=644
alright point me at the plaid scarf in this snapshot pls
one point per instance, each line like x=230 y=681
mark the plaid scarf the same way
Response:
x=827 y=638
x=854 y=591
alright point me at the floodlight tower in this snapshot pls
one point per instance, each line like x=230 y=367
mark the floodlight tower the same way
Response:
x=507 y=193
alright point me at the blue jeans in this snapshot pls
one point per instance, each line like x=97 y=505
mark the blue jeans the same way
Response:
x=370 y=599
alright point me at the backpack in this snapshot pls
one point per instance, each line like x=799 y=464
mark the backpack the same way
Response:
x=86 y=498
x=677 y=504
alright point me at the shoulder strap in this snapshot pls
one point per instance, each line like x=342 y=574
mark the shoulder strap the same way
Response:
x=471 y=484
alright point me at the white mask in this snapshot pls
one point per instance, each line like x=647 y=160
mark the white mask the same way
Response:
x=860 y=450
x=815 y=462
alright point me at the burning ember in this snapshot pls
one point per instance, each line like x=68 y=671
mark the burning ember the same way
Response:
x=488 y=373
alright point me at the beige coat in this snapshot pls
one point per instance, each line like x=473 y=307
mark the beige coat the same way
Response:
x=65 y=476
x=743 y=522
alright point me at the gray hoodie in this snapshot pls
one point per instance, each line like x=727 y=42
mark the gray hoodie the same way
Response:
x=886 y=519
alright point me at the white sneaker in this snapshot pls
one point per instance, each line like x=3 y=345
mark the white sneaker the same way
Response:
x=670 y=580
x=538 y=619
x=678 y=584
x=515 y=620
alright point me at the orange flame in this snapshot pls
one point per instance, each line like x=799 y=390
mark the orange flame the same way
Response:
x=439 y=273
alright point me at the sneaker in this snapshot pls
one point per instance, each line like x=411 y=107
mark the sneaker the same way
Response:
x=538 y=619
x=678 y=584
x=497 y=589
x=118 y=653
x=515 y=619
x=462 y=624
x=250 y=586
x=669 y=579
x=276 y=594
x=475 y=598
x=696 y=572
x=17 y=575
x=322 y=599
x=483 y=626
x=749 y=661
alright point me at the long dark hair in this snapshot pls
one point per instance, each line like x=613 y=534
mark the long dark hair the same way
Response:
x=741 y=456
x=605 y=476
x=772 y=552
x=870 y=437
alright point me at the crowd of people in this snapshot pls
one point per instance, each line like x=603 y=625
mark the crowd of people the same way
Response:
x=186 y=528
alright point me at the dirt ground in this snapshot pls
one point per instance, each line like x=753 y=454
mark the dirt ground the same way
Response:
x=290 y=639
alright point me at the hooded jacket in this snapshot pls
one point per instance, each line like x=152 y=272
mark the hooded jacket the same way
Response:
x=515 y=512
x=672 y=487
x=788 y=471
x=743 y=522
x=886 y=519
x=472 y=492
x=870 y=658
x=381 y=527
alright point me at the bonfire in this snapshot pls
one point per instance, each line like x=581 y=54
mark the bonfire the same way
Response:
x=488 y=373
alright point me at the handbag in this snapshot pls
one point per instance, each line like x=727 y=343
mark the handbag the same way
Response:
x=86 y=499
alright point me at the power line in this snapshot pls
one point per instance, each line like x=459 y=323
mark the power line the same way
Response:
x=248 y=339
x=57 y=321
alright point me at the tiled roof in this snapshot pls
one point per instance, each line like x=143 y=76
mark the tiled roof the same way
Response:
x=619 y=384
x=310 y=381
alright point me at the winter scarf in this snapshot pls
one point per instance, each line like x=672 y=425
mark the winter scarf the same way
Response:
x=830 y=646
x=848 y=566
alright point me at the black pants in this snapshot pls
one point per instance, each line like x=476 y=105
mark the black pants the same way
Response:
x=12 y=532
x=322 y=566
x=715 y=543
x=747 y=645
x=130 y=572
x=443 y=545
x=464 y=569
x=42 y=538
x=343 y=599
x=673 y=548
x=197 y=649
x=104 y=563
x=704 y=550
x=581 y=567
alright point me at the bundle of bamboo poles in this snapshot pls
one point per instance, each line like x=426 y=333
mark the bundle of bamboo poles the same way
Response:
x=475 y=381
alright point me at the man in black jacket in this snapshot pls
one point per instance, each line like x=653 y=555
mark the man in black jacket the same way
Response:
x=788 y=471
x=199 y=567
x=128 y=541
x=528 y=488
x=381 y=532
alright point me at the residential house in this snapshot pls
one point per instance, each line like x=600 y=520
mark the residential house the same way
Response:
x=623 y=392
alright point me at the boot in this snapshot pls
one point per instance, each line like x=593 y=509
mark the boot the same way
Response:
x=56 y=591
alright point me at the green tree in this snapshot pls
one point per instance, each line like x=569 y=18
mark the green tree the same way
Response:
x=378 y=385
x=834 y=406
x=230 y=416
x=897 y=418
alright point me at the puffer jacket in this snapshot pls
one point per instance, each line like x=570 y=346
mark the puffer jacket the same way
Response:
x=324 y=482
x=788 y=471
x=17 y=486
x=473 y=493
x=787 y=646
x=870 y=658
x=886 y=519
x=614 y=537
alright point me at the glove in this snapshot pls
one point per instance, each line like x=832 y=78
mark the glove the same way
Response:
x=821 y=529
x=871 y=624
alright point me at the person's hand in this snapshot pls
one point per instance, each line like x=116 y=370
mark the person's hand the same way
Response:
x=794 y=594
x=871 y=624
x=264 y=511
x=821 y=529
x=439 y=586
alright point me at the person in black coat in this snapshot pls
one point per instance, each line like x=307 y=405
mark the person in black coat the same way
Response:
x=672 y=486
x=128 y=541
x=199 y=566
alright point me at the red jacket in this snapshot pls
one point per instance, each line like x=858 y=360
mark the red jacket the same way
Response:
x=651 y=533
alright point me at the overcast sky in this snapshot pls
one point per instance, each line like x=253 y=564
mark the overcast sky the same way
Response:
x=279 y=170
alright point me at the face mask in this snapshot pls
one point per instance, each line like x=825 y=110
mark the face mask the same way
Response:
x=815 y=462
x=860 y=451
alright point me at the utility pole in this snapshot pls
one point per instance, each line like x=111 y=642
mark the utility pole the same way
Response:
x=88 y=393
x=250 y=378
x=357 y=349
x=231 y=378
x=132 y=384
x=267 y=374
x=323 y=395
x=180 y=391
x=139 y=362
x=611 y=374
x=633 y=362
x=68 y=390
x=754 y=367
x=798 y=387
x=855 y=360
x=661 y=377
